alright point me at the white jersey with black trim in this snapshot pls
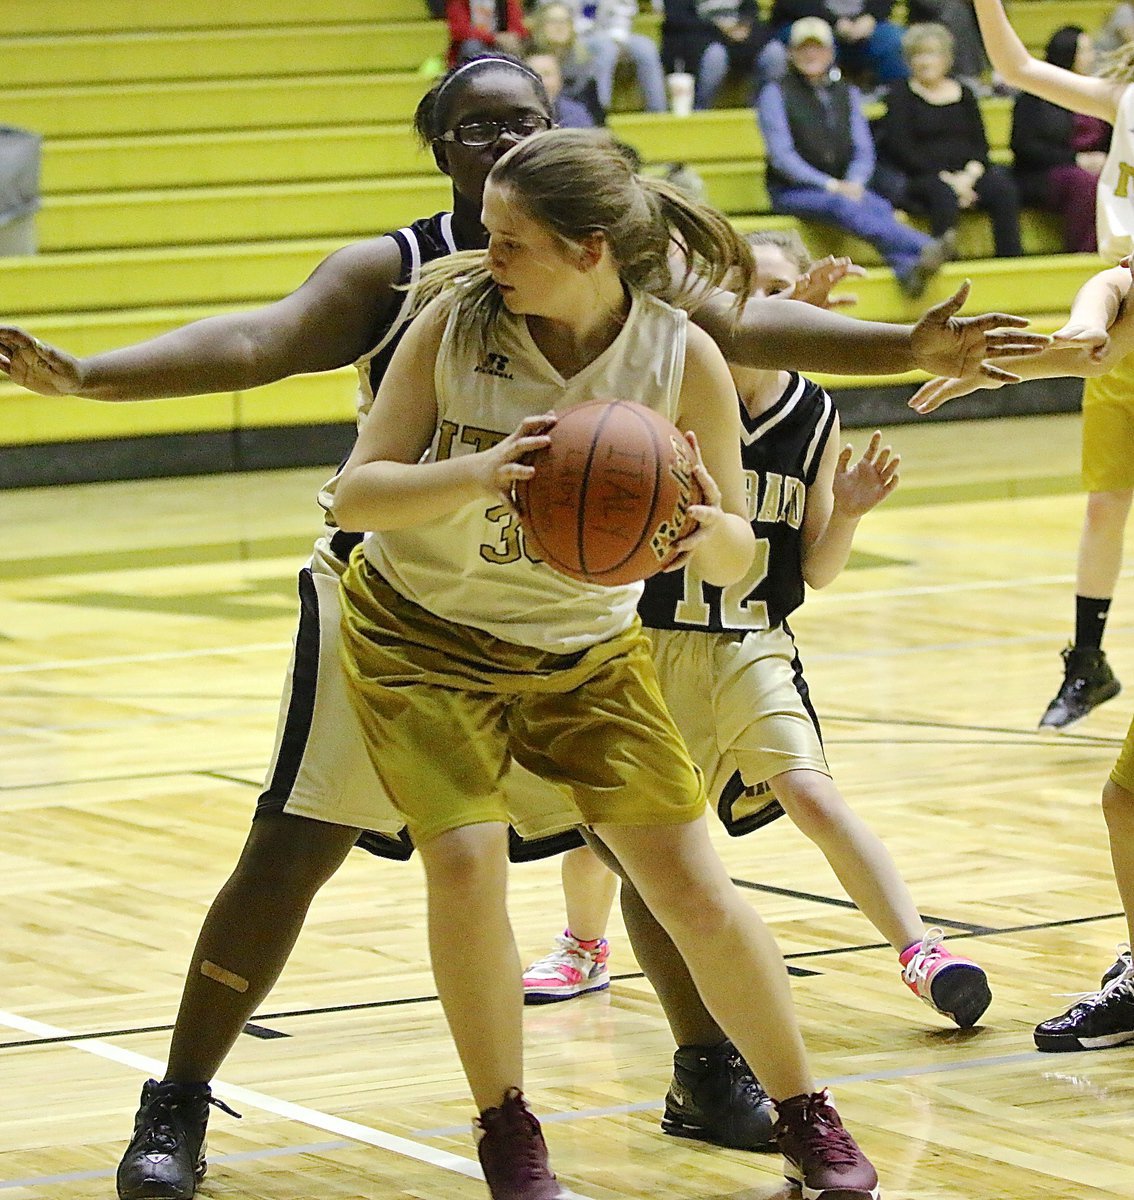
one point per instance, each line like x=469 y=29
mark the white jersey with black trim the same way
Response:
x=1114 y=207
x=471 y=566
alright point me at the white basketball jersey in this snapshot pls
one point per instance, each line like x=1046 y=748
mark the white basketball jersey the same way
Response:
x=1115 y=205
x=471 y=565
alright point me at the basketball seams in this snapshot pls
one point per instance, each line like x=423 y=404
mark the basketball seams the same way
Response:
x=581 y=512
x=651 y=515
x=599 y=491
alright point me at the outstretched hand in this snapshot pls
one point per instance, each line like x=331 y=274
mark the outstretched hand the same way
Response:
x=37 y=366
x=815 y=284
x=860 y=488
x=930 y=396
x=1092 y=338
x=956 y=347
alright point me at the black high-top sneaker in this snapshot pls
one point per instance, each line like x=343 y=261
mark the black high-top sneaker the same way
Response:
x=1088 y=682
x=1121 y=963
x=714 y=1097
x=166 y=1156
x=1095 y=1021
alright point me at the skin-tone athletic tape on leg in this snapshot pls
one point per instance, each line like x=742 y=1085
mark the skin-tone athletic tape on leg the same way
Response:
x=230 y=979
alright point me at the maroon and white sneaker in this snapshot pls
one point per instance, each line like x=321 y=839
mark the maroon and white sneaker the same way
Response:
x=950 y=984
x=820 y=1156
x=513 y=1154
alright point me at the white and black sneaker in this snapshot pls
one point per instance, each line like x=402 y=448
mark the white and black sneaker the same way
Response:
x=1088 y=682
x=1096 y=1021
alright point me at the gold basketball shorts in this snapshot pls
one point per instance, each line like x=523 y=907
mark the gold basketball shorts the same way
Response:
x=447 y=708
x=1108 y=430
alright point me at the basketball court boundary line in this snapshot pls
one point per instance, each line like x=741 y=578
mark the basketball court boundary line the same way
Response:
x=351 y=1130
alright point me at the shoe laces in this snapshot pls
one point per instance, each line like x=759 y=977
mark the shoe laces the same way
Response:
x=925 y=959
x=1120 y=985
x=744 y=1075
x=159 y=1125
x=826 y=1137
x=514 y=1117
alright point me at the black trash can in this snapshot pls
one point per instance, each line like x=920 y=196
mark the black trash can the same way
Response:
x=19 y=189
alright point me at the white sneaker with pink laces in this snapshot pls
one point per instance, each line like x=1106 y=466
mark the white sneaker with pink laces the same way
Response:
x=954 y=986
x=569 y=970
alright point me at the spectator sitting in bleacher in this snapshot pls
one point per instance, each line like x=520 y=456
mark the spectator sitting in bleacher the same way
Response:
x=869 y=44
x=604 y=27
x=820 y=156
x=711 y=37
x=969 y=60
x=567 y=112
x=1058 y=153
x=479 y=26
x=553 y=32
x=934 y=134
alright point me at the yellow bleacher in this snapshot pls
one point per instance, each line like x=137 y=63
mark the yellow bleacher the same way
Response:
x=202 y=157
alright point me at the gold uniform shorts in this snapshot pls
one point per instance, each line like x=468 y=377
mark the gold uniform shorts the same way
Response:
x=446 y=708
x=1108 y=430
x=742 y=706
x=1123 y=773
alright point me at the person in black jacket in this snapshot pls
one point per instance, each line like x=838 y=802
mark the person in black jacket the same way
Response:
x=933 y=132
x=1058 y=153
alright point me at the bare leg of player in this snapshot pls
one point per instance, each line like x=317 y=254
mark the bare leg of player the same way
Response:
x=857 y=855
x=733 y=959
x=475 y=962
x=588 y=891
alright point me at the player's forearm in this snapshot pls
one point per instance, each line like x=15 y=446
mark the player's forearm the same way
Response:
x=772 y=335
x=824 y=561
x=214 y=355
x=1056 y=362
x=392 y=495
x=724 y=556
x=1007 y=53
x=1098 y=301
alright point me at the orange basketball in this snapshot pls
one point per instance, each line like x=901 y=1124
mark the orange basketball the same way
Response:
x=610 y=495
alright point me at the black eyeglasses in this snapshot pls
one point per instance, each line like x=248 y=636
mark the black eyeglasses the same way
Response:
x=483 y=133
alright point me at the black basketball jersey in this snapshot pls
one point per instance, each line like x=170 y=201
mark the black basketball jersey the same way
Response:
x=780 y=451
x=428 y=238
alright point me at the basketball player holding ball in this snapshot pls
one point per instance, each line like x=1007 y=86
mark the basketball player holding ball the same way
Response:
x=449 y=626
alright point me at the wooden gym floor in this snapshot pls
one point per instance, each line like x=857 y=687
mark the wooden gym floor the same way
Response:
x=144 y=630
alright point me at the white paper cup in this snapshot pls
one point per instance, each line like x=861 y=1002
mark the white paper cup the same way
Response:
x=680 y=87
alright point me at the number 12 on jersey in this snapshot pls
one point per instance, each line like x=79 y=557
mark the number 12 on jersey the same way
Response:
x=739 y=608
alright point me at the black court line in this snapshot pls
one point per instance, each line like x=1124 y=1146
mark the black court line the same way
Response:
x=837 y=902
x=329 y=1009
x=187 y=772
x=1031 y=737
x=262 y=1031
